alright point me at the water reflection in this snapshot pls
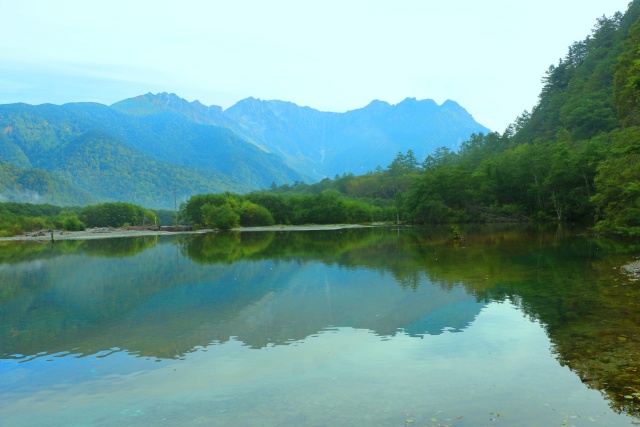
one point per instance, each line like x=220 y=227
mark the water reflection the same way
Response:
x=191 y=291
x=167 y=297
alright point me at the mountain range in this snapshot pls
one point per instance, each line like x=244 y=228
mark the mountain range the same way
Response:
x=322 y=144
x=157 y=150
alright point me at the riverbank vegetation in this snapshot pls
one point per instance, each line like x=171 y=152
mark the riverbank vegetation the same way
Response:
x=18 y=218
x=230 y=210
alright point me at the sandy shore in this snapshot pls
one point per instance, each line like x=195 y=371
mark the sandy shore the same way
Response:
x=108 y=232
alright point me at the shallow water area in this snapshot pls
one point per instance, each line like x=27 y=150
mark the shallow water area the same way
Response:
x=351 y=327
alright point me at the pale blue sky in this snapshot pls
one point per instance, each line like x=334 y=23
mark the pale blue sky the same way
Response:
x=489 y=55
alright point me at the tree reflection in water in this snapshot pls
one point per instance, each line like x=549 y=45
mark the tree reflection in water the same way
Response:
x=165 y=297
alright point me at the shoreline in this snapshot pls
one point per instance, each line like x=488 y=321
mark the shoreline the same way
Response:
x=93 y=233
x=312 y=227
x=109 y=232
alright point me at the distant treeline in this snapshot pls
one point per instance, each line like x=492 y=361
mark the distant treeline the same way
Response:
x=18 y=218
x=229 y=210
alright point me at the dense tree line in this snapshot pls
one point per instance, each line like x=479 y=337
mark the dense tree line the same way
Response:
x=18 y=218
x=575 y=156
x=117 y=214
x=346 y=199
x=229 y=210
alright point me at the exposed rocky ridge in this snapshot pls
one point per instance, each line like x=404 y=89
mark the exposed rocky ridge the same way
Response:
x=323 y=144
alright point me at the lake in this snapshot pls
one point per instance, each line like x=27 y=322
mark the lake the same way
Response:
x=383 y=326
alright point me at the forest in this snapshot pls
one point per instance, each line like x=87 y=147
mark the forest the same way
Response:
x=20 y=218
x=574 y=157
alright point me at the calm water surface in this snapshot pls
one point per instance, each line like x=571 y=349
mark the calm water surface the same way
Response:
x=377 y=326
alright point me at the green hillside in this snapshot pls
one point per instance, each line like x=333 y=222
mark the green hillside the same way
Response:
x=113 y=171
x=152 y=160
x=38 y=186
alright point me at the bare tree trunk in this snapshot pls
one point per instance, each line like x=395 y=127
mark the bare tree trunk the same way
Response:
x=557 y=204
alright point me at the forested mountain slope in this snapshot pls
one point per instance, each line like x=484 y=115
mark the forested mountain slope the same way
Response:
x=150 y=160
x=576 y=155
x=155 y=149
x=38 y=186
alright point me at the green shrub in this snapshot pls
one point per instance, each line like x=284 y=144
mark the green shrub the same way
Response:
x=222 y=217
x=72 y=223
x=253 y=215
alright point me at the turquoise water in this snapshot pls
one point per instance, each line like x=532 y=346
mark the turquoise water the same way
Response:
x=377 y=326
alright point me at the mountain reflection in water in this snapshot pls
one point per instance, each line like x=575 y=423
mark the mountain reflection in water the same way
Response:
x=161 y=304
x=167 y=297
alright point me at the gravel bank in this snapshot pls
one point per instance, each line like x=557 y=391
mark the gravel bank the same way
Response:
x=94 y=233
x=108 y=232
